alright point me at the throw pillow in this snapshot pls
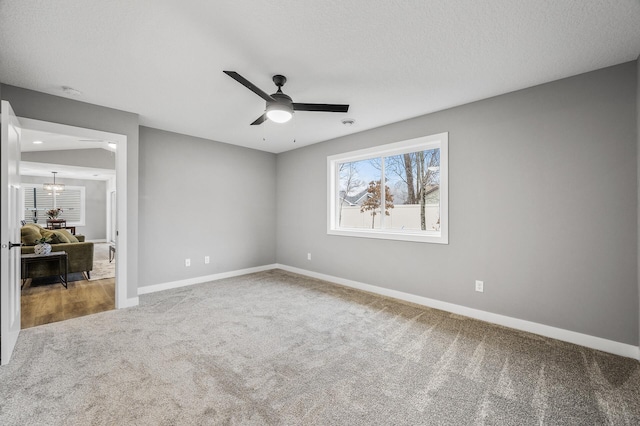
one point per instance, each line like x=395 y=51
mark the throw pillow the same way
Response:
x=54 y=237
x=68 y=235
x=29 y=235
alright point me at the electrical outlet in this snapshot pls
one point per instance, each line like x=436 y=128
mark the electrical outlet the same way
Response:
x=206 y=259
x=308 y=256
x=187 y=262
x=480 y=286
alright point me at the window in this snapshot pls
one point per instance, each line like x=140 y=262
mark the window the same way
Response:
x=415 y=191
x=37 y=201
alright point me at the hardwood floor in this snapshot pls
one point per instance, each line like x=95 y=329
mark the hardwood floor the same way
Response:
x=47 y=303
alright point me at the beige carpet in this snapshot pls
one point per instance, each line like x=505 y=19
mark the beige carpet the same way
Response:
x=275 y=348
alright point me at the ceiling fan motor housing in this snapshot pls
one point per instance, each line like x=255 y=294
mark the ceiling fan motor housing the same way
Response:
x=279 y=80
x=283 y=99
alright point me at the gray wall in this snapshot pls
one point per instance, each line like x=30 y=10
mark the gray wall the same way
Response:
x=95 y=205
x=55 y=109
x=203 y=198
x=97 y=158
x=542 y=208
x=567 y=149
x=638 y=164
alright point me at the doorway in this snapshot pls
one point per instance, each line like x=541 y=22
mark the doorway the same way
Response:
x=111 y=243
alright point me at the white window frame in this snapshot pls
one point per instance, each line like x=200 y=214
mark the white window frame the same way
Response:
x=82 y=190
x=425 y=143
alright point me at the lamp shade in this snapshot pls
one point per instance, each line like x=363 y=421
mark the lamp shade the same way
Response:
x=278 y=112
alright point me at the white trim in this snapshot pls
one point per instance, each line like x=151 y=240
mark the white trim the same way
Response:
x=122 y=233
x=440 y=141
x=395 y=148
x=390 y=234
x=111 y=215
x=199 y=280
x=592 y=342
x=130 y=303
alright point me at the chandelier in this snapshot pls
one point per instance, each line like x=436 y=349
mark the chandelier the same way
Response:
x=53 y=186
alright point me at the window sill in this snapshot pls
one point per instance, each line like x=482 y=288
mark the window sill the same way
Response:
x=433 y=237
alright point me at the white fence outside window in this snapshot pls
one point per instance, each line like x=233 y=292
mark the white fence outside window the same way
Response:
x=404 y=217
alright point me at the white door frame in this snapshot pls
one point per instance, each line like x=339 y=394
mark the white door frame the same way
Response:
x=121 y=191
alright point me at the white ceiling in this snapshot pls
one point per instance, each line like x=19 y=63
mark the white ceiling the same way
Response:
x=56 y=141
x=28 y=168
x=390 y=60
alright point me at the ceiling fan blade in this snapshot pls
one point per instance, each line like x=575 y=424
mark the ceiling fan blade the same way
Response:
x=249 y=85
x=320 y=107
x=260 y=120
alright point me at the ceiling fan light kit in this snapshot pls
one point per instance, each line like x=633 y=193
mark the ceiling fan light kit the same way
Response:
x=279 y=106
x=278 y=113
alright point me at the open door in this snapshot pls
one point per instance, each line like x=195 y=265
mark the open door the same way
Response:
x=9 y=232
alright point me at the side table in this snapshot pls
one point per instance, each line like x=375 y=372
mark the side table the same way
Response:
x=58 y=257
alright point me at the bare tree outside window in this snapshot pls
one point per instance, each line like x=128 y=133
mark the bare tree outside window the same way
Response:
x=403 y=168
x=349 y=184
x=428 y=174
x=419 y=173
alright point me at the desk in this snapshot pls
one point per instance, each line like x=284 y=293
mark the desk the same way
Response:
x=60 y=257
x=56 y=223
x=60 y=224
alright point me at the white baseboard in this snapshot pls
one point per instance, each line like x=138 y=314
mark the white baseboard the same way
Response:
x=204 y=279
x=128 y=303
x=593 y=342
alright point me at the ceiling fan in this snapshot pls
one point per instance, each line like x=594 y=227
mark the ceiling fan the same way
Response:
x=280 y=107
